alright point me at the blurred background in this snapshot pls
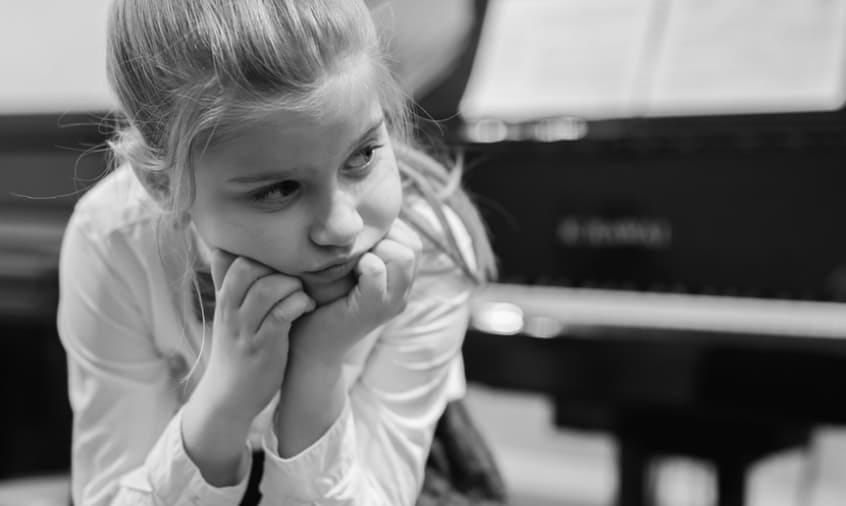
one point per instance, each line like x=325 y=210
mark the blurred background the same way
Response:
x=663 y=182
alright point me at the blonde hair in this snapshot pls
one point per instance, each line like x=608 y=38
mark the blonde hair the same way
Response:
x=185 y=71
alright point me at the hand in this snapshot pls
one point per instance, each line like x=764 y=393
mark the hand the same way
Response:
x=385 y=275
x=255 y=307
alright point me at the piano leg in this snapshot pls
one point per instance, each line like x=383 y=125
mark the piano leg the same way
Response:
x=636 y=484
x=731 y=481
x=633 y=473
x=732 y=450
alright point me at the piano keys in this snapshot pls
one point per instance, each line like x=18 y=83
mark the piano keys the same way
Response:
x=543 y=311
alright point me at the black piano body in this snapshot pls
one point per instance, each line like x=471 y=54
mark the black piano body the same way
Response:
x=718 y=237
x=738 y=206
x=703 y=211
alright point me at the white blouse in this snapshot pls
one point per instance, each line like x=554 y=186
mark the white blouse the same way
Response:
x=130 y=349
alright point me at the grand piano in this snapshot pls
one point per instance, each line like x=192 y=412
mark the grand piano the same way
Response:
x=676 y=280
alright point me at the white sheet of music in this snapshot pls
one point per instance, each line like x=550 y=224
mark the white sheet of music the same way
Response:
x=550 y=57
x=624 y=58
x=726 y=56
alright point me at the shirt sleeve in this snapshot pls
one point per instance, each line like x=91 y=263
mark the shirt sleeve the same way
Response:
x=127 y=441
x=375 y=453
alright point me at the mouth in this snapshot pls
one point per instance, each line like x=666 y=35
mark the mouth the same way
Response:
x=334 y=270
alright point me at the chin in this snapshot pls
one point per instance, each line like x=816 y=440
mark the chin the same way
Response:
x=325 y=293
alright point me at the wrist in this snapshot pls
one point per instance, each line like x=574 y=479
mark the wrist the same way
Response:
x=307 y=374
x=230 y=430
x=311 y=399
x=215 y=444
x=207 y=402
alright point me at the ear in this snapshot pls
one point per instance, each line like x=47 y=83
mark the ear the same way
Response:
x=157 y=184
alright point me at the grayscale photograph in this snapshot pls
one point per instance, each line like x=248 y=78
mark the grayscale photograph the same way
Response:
x=423 y=252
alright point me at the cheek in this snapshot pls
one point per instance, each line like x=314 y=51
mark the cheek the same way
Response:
x=210 y=230
x=384 y=201
x=209 y=216
x=235 y=228
x=213 y=224
x=233 y=233
x=215 y=234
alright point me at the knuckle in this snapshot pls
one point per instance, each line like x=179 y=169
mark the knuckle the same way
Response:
x=252 y=346
x=279 y=284
x=264 y=288
x=247 y=268
x=289 y=309
x=290 y=282
x=239 y=265
x=279 y=315
x=283 y=313
x=416 y=243
x=379 y=249
x=407 y=256
x=372 y=264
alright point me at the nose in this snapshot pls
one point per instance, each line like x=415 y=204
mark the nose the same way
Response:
x=339 y=223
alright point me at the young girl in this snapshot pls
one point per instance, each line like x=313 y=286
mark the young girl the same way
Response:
x=270 y=268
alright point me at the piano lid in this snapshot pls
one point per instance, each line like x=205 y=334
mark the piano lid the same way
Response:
x=620 y=59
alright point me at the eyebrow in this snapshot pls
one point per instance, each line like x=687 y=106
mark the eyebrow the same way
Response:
x=275 y=175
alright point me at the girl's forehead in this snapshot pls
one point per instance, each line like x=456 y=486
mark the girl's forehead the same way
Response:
x=350 y=83
x=342 y=115
x=346 y=94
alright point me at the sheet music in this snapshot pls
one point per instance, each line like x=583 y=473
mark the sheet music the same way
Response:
x=733 y=56
x=624 y=58
x=52 y=56
x=557 y=57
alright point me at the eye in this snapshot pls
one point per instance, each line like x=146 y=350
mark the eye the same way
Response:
x=361 y=159
x=277 y=191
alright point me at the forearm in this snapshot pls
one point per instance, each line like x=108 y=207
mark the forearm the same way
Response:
x=369 y=453
x=311 y=400
x=214 y=442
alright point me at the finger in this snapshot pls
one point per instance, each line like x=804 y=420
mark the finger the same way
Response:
x=242 y=273
x=220 y=262
x=400 y=263
x=284 y=312
x=372 y=276
x=402 y=233
x=262 y=296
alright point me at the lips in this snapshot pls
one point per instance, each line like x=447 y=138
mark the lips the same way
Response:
x=335 y=270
